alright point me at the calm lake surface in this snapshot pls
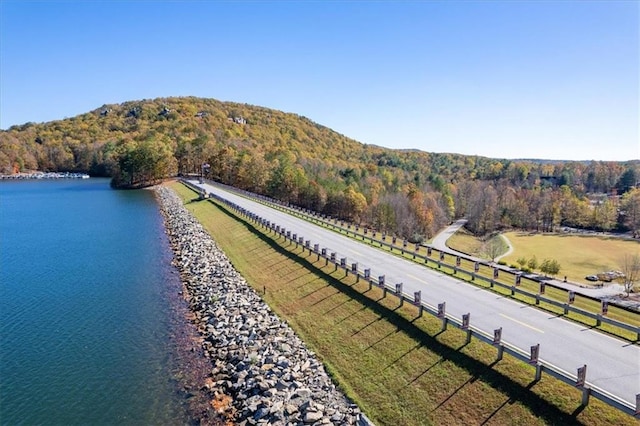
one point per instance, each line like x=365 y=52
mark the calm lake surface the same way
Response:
x=85 y=317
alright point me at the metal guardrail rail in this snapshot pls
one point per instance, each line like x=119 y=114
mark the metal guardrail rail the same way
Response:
x=312 y=216
x=578 y=380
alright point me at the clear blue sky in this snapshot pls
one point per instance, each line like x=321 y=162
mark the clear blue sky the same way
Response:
x=504 y=79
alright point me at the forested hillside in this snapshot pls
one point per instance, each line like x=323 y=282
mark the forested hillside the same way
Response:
x=407 y=192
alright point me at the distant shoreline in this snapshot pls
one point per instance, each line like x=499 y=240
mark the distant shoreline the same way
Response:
x=43 y=175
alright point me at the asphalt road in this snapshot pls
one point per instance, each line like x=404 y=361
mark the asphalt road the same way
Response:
x=612 y=364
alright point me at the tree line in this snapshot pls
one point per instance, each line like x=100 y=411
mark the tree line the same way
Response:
x=408 y=193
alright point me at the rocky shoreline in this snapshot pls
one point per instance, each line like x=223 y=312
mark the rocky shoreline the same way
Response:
x=261 y=372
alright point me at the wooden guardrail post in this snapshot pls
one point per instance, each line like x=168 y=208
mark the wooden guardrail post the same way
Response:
x=417 y=300
x=465 y=326
x=572 y=298
x=581 y=383
x=399 y=293
x=367 y=276
x=533 y=360
x=497 y=341
x=354 y=269
x=496 y=274
x=604 y=310
x=442 y=315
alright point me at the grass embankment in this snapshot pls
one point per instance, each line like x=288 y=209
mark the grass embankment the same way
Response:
x=400 y=369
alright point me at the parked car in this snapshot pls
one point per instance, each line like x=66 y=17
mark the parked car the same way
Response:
x=591 y=278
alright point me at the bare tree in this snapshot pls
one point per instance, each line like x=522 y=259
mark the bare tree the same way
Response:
x=630 y=267
x=493 y=247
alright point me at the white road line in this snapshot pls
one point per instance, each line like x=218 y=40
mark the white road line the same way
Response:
x=522 y=323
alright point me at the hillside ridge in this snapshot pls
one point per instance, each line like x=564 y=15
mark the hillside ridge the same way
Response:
x=409 y=192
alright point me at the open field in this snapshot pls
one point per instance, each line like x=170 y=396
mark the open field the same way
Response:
x=578 y=256
x=399 y=368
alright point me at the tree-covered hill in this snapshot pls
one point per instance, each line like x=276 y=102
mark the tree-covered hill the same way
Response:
x=287 y=156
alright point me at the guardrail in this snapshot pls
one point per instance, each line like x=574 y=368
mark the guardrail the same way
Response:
x=439 y=261
x=531 y=357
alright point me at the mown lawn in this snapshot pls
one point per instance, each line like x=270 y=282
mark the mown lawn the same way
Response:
x=578 y=256
x=398 y=367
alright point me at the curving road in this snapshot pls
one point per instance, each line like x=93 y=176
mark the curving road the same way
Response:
x=613 y=365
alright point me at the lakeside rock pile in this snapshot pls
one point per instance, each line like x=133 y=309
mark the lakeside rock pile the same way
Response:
x=260 y=367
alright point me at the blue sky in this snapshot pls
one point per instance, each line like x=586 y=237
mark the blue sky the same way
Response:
x=503 y=79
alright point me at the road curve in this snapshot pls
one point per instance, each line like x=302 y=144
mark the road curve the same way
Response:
x=439 y=242
x=613 y=364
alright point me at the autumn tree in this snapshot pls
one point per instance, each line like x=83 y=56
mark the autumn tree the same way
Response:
x=482 y=212
x=630 y=267
x=383 y=216
x=143 y=163
x=355 y=204
x=630 y=210
x=604 y=215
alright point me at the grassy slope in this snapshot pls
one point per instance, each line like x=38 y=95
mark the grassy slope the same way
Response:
x=400 y=369
x=463 y=241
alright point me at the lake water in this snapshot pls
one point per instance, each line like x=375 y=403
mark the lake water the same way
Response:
x=86 y=321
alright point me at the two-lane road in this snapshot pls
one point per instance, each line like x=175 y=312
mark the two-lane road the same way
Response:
x=613 y=365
